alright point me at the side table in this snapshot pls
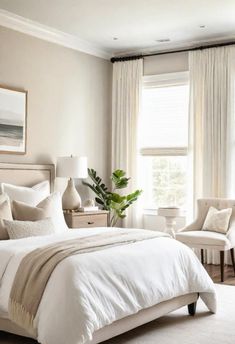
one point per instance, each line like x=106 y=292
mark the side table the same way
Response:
x=170 y=214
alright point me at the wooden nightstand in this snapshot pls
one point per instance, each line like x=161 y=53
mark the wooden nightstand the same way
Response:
x=87 y=219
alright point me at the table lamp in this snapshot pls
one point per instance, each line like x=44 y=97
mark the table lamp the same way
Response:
x=71 y=167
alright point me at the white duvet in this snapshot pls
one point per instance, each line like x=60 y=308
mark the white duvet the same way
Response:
x=88 y=291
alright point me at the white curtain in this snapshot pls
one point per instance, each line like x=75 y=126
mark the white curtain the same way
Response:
x=126 y=102
x=211 y=124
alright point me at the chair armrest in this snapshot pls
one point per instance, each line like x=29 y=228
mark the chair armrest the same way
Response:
x=194 y=226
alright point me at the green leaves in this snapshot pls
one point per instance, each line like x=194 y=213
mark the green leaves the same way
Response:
x=112 y=201
x=134 y=196
x=119 y=179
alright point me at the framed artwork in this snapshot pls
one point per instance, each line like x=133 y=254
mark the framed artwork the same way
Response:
x=13 y=120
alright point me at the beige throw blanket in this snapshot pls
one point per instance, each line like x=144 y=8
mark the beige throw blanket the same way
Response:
x=37 y=266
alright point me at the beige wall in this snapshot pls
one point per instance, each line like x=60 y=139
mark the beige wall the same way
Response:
x=68 y=99
x=168 y=63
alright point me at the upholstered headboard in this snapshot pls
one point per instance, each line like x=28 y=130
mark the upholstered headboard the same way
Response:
x=26 y=174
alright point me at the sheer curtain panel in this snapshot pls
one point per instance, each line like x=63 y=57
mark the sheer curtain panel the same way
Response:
x=211 y=124
x=126 y=101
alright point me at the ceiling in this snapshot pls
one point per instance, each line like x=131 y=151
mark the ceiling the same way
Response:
x=136 y=24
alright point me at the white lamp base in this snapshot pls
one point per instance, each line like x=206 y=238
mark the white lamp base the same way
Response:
x=71 y=199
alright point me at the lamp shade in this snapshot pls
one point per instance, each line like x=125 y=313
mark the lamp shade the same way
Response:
x=71 y=167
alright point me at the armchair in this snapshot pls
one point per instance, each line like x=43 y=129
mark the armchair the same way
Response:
x=193 y=235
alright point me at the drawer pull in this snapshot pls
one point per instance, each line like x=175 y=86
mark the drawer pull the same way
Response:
x=90 y=223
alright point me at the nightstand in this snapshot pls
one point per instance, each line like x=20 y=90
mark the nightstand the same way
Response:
x=87 y=219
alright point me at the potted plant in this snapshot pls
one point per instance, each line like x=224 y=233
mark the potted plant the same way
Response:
x=112 y=201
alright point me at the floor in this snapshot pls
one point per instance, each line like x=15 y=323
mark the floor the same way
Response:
x=145 y=334
x=214 y=272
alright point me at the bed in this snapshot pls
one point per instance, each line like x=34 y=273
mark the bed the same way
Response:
x=182 y=280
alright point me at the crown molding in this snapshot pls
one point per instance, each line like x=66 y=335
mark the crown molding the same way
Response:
x=170 y=47
x=32 y=28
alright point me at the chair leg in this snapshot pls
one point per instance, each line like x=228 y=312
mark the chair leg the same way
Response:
x=202 y=256
x=222 y=265
x=232 y=258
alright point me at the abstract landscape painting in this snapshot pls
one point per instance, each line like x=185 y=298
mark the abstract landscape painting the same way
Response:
x=13 y=109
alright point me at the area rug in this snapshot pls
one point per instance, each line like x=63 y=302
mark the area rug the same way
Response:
x=178 y=327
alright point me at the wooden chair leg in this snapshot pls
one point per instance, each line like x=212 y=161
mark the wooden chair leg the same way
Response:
x=222 y=265
x=202 y=256
x=232 y=258
x=192 y=308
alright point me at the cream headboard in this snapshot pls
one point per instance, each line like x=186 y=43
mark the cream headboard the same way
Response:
x=26 y=174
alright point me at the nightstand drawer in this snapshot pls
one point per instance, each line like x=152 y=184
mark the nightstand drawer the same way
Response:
x=90 y=221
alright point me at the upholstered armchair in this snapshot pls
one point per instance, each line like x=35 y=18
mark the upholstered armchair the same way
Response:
x=193 y=235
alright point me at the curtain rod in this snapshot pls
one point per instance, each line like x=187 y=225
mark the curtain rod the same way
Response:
x=140 y=56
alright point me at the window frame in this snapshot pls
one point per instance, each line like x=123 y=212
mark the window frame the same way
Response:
x=164 y=80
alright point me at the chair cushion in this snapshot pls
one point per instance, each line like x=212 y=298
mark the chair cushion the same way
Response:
x=204 y=239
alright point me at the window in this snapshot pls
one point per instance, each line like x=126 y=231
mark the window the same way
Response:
x=163 y=140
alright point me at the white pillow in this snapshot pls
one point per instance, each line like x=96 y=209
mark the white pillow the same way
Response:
x=24 y=229
x=5 y=214
x=217 y=220
x=31 y=196
x=51 y=207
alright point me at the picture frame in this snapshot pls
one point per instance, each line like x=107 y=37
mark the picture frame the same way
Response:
x=13 y=120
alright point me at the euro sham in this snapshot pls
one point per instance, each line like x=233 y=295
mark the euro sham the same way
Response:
x=5 y=214
x=29 y=195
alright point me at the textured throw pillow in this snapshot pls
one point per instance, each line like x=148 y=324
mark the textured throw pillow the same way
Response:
x=51 y=207
x=24 y=229
x=5 y=213
x=31 y=196
x=217 y=220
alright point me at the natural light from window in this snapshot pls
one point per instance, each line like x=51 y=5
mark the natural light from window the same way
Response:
x=163 y=141
x=164 y=118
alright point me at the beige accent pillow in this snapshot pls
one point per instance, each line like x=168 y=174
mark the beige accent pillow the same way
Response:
x=24 y=229
x=5 y=213
x=217 y=220
x=50 y=207
x=24 y=212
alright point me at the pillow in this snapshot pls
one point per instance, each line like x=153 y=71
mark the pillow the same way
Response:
x=50 y=207
x=5 y=213
x=31 y=196
x=24 y=229
x=217 y=220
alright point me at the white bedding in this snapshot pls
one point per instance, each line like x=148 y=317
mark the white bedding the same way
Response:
x=88 y=291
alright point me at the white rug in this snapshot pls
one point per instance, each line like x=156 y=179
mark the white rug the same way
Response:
x=179 y=328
